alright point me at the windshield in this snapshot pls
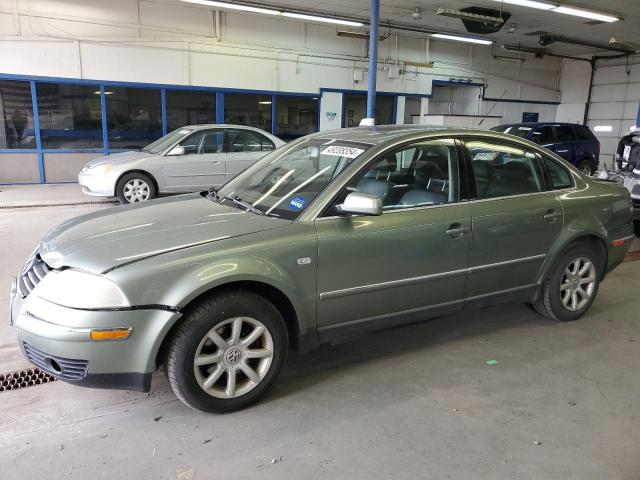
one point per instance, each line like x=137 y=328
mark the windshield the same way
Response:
x=519 y=131
x=165 y=142
x=284 y=184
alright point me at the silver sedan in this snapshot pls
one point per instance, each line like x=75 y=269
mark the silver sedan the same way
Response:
x=191 y=158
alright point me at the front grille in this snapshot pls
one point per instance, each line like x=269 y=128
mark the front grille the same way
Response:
x=32 y=274
x=64 y=368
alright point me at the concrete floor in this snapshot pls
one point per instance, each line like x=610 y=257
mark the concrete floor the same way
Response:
x=414 y=402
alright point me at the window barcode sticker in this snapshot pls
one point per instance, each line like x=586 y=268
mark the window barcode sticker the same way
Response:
x=341 y=151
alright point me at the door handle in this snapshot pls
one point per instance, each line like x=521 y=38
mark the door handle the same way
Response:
x=551 y=216
x=456 y=230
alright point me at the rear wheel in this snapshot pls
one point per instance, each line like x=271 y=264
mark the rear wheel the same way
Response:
x=586 y=167
x=227 y=352
x=571 y=284
x=135 y=187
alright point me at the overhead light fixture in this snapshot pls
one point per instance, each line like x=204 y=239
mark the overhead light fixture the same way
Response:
x=316 y=18
x=271 y=11
x=472 y=17
x=566 y=9
x=358 y=35
x=603 y=128
x=456 y=38
x=265 y=102
x=590 y=14
x=530 y=4
x=235 y=6
x=502 y=58
x=106 y=92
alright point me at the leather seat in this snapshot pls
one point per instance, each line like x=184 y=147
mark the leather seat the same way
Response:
x=483 y=172
x=422 y=197
x=376 y=188
x=514 y=178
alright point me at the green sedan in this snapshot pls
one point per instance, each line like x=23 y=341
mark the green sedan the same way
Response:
x=330 y=236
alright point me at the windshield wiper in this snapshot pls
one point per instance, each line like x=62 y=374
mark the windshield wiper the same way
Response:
x=238 y=201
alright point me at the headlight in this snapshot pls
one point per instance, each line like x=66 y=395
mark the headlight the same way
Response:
x=100 y=169
x=76 y=289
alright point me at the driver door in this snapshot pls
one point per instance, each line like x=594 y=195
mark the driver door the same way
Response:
x=201 y=166
x=244 y=148
x=407 y=264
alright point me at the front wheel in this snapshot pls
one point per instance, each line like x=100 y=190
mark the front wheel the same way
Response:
x=227 y=352
x=135 y=187
x=571 y=284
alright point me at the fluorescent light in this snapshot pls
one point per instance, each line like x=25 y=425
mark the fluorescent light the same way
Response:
x=265 y=102
x=235 y=6
x=603 y=128
x=530 y=4
x=508 y=59
x=106 y=92
x=314 y=18
x=590 y=14
x=456 y=38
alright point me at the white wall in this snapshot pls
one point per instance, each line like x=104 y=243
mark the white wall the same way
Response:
x=615 y=99
x=167 y=41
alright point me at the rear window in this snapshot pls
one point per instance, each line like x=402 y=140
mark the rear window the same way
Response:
x=517 y=130
x=564 y=133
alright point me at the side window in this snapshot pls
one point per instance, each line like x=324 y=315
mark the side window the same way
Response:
x=564 y=133
x=543 y=135
x=502 y=170
x=191 y=144
x=582 y=132
x=418 y=175
x=213 y=142
x=248 y=141
x=560 y=177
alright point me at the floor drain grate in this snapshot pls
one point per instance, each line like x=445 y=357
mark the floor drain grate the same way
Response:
x=24 y=378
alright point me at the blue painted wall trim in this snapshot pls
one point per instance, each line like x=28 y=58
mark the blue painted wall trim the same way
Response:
x=273 y=114
x=638 y=116
x=105 y=133
x=163 y=106
x=219 y=107
x=373 y=58
x=36 y=128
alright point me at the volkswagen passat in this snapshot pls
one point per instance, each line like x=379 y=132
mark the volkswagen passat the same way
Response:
x=186 y=160
x=329 y=236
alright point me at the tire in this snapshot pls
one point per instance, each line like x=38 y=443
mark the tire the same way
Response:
x=135 y=187
x=586 y=167
x=207 y=387
x=550 y=299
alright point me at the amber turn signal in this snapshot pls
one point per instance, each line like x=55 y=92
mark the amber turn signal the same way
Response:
x=113 y=334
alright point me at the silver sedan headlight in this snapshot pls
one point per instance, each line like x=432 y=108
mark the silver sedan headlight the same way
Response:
x=78 y=289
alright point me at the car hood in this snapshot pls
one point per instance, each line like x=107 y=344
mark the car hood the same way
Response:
x=112 y=237
x=118 y=158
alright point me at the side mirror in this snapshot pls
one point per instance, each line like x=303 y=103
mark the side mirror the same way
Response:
x=358 y=203
x=176 y=151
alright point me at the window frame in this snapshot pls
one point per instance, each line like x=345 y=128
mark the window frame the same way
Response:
x=202 y=132
x=264 y=139
x=542 y=160
x=472 y=179
x=458 y=171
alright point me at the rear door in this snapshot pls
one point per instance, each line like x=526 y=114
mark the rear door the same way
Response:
x=201 y=166
x=515 y=219
x=244 y=147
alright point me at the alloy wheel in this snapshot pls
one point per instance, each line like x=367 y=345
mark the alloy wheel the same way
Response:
x=577 y=284
x=233 y=357
x=136 y=190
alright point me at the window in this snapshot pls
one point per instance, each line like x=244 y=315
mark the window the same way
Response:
x=417 y=175
x=134 y=117
x=559 y=176
x=296 y=117
x=70 y=115
x=250 y=110
x=16 y=115
x=517 y=130
x=564 y=133
x=189 y=108
x=241 y=140
x=204 y=141
x=543 y=135
x=355 y=109
x=582 y=132
x=502 y=170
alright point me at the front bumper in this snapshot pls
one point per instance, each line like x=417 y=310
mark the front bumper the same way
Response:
x=97 y=185
x=57 y=340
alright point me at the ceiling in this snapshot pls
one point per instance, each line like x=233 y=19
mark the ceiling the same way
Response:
x=527 y=20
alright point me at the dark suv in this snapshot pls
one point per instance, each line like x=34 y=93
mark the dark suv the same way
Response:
x=575 y=143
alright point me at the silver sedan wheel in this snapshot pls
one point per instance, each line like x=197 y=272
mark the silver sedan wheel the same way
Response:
x=136 y=190
x=578 y=284
x=233 y=357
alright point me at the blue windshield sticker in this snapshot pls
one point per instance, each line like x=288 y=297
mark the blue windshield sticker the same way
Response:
x=296 y=203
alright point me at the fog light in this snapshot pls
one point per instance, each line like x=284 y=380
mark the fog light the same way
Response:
x=110 y=334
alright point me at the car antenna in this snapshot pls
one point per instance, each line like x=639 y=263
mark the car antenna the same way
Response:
x=484 y=117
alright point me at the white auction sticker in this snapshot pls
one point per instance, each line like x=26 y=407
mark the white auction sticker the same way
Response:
x=627 y=152
x=340 y=151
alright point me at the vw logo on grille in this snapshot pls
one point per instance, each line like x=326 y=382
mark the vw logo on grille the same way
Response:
x=233 y=356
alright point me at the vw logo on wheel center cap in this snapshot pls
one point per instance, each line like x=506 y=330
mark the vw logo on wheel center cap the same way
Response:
x=233 y=356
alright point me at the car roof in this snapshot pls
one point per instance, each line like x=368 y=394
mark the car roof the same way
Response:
x=539 y=124
x=201 y=126
x=378 y=134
